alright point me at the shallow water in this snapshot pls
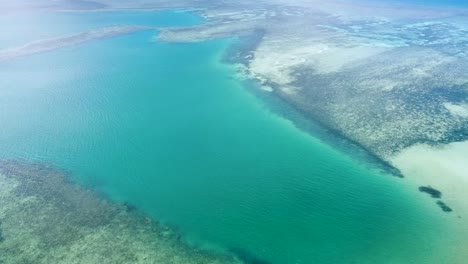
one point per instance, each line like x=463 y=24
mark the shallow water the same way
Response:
x=166 y=128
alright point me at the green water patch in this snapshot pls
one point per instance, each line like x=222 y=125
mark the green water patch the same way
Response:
x=164 y=127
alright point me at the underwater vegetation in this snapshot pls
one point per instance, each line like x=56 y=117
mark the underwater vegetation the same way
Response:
x=434 y=193
x=444 y=207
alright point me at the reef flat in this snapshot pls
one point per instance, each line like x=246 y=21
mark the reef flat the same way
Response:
x=44 y=218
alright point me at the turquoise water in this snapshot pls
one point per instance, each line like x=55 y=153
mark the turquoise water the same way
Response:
x=166 y=128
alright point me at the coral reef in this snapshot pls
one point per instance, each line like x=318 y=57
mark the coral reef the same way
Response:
x=47 y=219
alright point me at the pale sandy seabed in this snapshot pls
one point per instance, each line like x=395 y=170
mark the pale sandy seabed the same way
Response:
x=46 y=219
x=443 y=167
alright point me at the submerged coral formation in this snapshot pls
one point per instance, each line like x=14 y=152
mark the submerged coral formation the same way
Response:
x=444 y=207
x=47 y=219
x=434 y=193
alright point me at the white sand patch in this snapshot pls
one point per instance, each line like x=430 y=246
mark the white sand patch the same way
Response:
x=279 y=60
x=458 y=110
x=277 y=64
x=288 y=89
x=266 y=88
x=442 y=167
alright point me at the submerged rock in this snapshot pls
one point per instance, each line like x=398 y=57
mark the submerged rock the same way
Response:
x=248 y=257
x=434 y=193
x=129 y=207
x=444 y=207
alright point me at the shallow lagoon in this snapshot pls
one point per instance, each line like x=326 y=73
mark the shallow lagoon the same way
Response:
x=166 y=128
